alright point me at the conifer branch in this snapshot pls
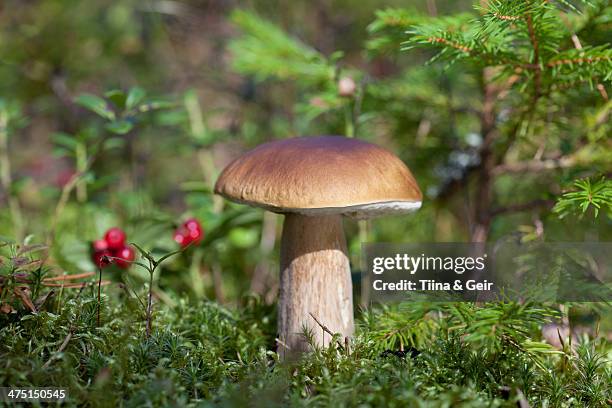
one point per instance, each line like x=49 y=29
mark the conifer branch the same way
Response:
x=578 y=60
x=505 y=17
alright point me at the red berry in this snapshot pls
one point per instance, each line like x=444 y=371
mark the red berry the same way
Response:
x=115 y=238
x=195 y=235
x=124 y=257
x=193 y=224
x=181 y=237
x=99 y=245
x=101 y=258
x=193 y=230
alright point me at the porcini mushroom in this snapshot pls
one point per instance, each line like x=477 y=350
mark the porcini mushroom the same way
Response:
x=313 y=181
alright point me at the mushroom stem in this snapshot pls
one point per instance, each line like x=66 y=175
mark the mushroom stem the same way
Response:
x=315 y=278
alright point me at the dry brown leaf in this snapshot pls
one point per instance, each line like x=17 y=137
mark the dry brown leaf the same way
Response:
x=69 y=277
x=6 y=308
x=21 y=292
x=75 y=285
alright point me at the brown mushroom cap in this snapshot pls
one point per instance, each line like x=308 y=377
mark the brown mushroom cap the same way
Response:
x=321 y=175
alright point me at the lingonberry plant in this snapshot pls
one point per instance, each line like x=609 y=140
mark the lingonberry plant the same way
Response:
x=151 y=266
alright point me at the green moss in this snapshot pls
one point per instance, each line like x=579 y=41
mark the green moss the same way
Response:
x=202 y=353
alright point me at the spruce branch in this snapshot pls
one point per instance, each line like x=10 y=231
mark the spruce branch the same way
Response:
x=390 y=26
x=265 y=51
x=454 y=46
x=585 y=63
x=595 y=194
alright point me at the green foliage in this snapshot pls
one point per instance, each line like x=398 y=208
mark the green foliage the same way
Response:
x=522 y=35
x=488 y=355
x=266 y=51
x=121 y=110
x=595 y=195
x=389 y=28
x=195 y=350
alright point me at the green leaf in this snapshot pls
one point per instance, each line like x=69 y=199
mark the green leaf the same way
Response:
x=145 y=254
x=96 y=104
x=120 y=127
x=163 y=258
x=135 y=96
x=65 y=140
x=243 y=237
x=117 y=97
x=114 y=143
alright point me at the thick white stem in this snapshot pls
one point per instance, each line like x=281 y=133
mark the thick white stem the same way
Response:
x=315 y=278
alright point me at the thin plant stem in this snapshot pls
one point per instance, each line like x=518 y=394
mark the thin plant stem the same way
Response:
x=150 y=303
x=99 y=285
x=81 y=164
x=153 y=264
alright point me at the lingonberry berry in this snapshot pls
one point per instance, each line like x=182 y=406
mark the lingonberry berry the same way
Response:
x=181 y=237
x=193 y=224
x=102 y=258
x=99 y=245
x=115 y=238
x=124 y=257
x=190 y=232
x=196 y=233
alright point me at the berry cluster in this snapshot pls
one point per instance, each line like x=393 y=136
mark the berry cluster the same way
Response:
x=113 y=249
x=190 y=232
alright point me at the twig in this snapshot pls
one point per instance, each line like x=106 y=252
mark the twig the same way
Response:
x=282 y=343
x=455 y=45
x=522 y=401
x=535 y=165
x=325 y=329
x=40 y=302
x=522 y=207
x=602 y=92
x=578 y=46
x=505 y=17
x=488 y=160
x=60 y=349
